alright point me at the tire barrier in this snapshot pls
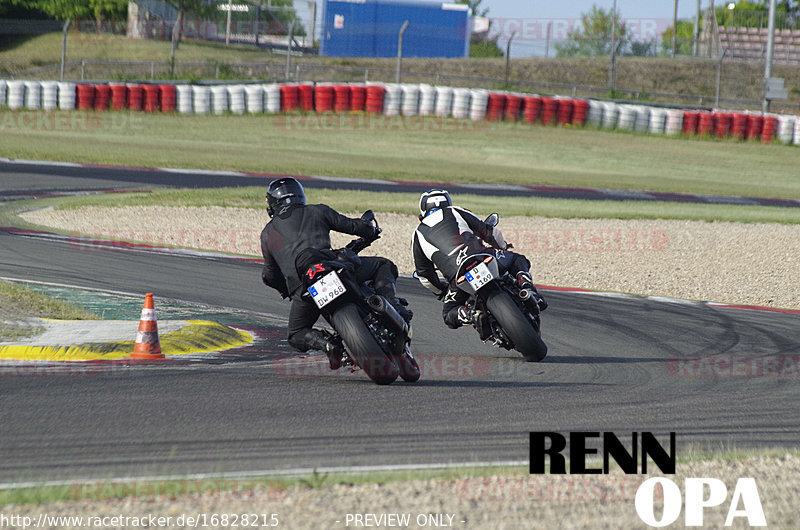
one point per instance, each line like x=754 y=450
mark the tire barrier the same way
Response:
x=289 y=97
x=151 y=103
x=658 y=121
x=564 y=112
x=595 y=116
x=610 y=115
x=201 y=99
x=184 y=99
x=580 y=112
x=135 y=96
x=66 y=95
x=168 y=98
x=236 y=102
x=400 y=99
x=305 y=94
x=119 y=96
x=427 y=100
x=690 y=120
x=102 y=97
x=513 y=107
x=461 y=103
x=254 y=96
x=755 y=124
x=272 y=98
x=341 y=98
x=769 y=130
x=410 y=103
x=33 y=95
x=626 y=120
x=85 y=96
x=375 y=97
x=479 y=99
x=549 y=110
x=532 y=108
x=496 y=106
x=358 y=98
x=16 y=94
x=785 y=129
x=444 y=102
x=323 y=98
x=219 y=99
x=49 y=95
x=722 y=123
x=391 y=100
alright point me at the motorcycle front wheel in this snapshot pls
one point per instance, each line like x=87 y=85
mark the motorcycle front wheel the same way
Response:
x=363 y=348
x=522 y=332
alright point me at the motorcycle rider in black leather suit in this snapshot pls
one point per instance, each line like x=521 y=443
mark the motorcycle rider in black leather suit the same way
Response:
x=296 y=227
x=445 y=237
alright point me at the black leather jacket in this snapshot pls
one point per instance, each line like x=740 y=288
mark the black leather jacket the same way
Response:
x=296 y=228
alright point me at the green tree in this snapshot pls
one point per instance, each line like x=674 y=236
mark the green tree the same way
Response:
x=480 y=45
x=685 y=36
x=594 y=37
x=99 y=10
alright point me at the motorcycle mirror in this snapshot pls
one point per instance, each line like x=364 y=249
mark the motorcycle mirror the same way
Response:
x=368 y=216
x=492 y=220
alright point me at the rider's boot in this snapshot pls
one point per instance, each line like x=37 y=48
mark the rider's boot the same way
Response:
x=387 y=291
x=333 y=348
x=525 y=281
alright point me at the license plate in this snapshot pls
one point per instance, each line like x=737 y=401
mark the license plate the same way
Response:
x=479 y=275
x=327 y=289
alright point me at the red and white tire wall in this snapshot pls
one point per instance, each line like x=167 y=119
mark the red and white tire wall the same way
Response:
x=405 y=100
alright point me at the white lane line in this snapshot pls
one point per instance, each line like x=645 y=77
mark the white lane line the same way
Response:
x=303 y=471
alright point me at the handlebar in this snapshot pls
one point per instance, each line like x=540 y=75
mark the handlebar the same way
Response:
x=359 y=244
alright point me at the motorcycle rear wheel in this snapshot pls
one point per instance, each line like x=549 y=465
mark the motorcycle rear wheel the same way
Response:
x=363 y=348
x=409 y=368
x=522 y=332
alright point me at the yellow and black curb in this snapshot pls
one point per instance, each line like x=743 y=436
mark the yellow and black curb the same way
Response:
x=198 y=336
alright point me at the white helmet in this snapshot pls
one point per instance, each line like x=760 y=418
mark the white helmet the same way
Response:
x=432 y=200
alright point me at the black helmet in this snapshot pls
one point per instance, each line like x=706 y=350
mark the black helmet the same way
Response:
x=433 y=199
x=284 y=191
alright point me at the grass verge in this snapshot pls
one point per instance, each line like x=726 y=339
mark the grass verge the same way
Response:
x=403 y=148
x=18 y=303
x=175 y=487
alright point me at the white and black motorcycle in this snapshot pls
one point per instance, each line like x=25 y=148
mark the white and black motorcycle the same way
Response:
x=509 y=316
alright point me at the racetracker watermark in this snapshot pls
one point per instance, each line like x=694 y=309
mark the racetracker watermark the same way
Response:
x=69 y=121
x=375 y=122
x=605 y=489
x=731 y=365
x=430 y=366
x=555 y=29
x=50 y=369
x=236 y=241
x=588 y=240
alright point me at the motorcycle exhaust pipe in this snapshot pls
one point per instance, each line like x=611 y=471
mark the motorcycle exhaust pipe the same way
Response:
x=381 y=306
x=525 y=294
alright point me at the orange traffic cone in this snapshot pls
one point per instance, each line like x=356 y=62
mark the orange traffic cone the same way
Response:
x=147 y=345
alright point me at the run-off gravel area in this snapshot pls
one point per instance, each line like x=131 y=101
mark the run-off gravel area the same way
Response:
x=736 y=263
x=723 y=262
x=522 y=502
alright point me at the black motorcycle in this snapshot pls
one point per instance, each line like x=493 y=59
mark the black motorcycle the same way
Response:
x=509 y=316
x=376 y=337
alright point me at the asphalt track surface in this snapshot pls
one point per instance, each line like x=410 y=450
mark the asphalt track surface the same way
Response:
x=617 y=364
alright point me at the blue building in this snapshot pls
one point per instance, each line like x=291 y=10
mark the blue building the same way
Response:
x=369 y=28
